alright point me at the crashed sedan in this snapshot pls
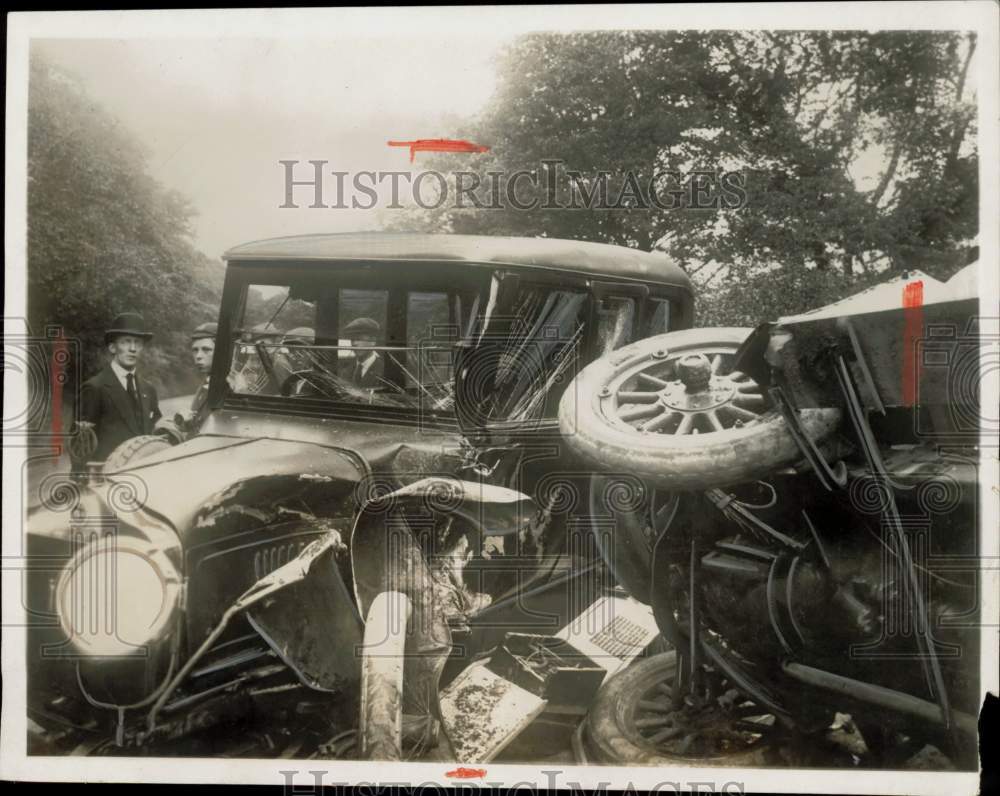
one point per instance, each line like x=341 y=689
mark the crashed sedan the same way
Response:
x=224 y=595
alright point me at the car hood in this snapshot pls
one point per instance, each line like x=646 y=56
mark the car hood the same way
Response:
x=407 y=452
x=181 y=482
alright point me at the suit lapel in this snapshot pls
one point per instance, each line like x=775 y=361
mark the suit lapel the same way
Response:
x=121 y=400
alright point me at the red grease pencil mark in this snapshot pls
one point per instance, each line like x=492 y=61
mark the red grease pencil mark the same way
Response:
x=439 y=145
x=57 y=377
x=913 y=323
x=467 y=773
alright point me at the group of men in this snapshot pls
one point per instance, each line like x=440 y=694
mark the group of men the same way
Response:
x=118 y=404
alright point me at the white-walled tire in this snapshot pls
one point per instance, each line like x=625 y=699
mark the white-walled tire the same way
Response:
x=671 y=409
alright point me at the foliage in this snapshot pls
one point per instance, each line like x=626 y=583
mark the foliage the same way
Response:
x=104 y=237
x=857 y=150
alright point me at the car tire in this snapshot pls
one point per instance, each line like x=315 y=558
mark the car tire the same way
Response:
x=707 y=454
x=611 y=736
x=132 y=450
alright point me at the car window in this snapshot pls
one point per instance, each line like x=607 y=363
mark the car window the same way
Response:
x=615 y=322
x=358 y=304
x=269 y=312
x=527 y=352
x=657 y=317
x=322 y=340
x=273 y=306
x=431 y=332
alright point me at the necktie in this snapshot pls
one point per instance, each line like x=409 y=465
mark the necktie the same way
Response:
x=133 y=396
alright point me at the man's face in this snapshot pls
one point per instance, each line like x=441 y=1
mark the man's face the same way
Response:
x=202 y=351
x=125 y=350
x=363 y=340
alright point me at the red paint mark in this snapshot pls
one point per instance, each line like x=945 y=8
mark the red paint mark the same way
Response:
x=467 y=773
x=57 y=377
x=439 y=145
x=913 y=329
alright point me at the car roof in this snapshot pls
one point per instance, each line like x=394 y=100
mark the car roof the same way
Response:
x=583 y=257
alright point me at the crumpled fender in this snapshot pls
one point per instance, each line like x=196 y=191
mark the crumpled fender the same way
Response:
x=497 y=510
x=312 y=623
x=278 y=587
x=385 y=556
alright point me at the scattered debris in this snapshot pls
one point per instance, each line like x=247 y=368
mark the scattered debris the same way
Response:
x=612 y=632
x=483 y=712
x=547 y=667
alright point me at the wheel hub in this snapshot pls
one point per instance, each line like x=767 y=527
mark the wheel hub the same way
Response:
x=694 y=371
x=717 y=391
x=694 y=393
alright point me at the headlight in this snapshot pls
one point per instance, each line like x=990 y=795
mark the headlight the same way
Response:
x=116 y=596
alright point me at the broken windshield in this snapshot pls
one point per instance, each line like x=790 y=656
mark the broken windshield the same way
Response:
x=527 y=349
x=367 y=345
x=358 y=336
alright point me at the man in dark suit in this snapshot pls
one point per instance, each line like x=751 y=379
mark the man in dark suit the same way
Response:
x=117 y=403
x=366 y=373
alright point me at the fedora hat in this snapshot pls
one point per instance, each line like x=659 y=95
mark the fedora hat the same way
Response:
x=128 y=323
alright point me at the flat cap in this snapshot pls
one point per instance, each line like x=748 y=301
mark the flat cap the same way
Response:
x=362 y=326
x=205 y=330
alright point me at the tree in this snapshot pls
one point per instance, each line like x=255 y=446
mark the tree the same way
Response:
x=105 y=237
x=855 y=153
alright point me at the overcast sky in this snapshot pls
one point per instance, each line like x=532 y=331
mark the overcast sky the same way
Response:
x=218 y=114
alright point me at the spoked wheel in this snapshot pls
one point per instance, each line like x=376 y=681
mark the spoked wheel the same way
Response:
x=637 y=719
x=672 y=409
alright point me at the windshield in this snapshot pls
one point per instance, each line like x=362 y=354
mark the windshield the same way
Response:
x=363 y=335
x=527 y=349
x=323 y=338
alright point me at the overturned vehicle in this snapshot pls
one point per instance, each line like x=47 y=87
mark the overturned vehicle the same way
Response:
x=375 y=492
x=809 y=543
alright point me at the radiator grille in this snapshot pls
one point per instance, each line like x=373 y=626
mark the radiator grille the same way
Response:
x=269 y=557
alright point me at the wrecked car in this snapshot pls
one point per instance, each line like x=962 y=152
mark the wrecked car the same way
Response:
x=809 y=541
x=380 y=435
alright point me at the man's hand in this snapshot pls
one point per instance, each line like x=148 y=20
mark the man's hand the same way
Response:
x=170 y=430
x=237 y=382
x=82 y=442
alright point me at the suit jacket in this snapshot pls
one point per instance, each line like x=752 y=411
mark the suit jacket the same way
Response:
x=371 y=378
x=105 y=403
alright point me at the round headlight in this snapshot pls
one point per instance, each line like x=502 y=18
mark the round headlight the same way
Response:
x=116 y=596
